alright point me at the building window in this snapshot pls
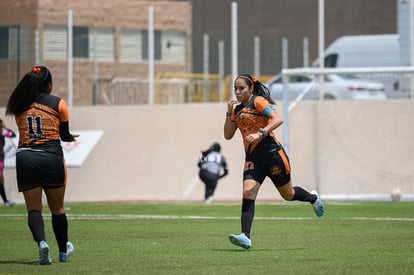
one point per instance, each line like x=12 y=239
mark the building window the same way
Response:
x=4 y=42
x=173 y=47
x=104 y=39
x=157 y=45
x=14 y=42
x=130 y=44
x=80 y=42
x=84 y=38
x=169 y=46
x=55 y=42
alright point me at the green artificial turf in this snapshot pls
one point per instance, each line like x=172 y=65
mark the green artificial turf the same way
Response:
x=192 y=238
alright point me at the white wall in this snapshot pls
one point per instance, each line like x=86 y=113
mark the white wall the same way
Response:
x=150 y=153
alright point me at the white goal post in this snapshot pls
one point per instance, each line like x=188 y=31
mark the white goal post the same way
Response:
x=352 y=149
x=286 y=73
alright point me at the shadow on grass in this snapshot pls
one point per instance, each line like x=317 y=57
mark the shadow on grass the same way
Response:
x=257 y=249
x=23 y=262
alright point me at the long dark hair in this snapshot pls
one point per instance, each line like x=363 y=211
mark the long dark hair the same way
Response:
x=258 y=87
x=33 y=83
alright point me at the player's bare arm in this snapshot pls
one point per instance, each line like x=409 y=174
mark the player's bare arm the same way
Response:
x=274 y=121
x=229 y=126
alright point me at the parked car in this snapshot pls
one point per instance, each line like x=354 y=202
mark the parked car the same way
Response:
x=356 y=51
x=340 y=87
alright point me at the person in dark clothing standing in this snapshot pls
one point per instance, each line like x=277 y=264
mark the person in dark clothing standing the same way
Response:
x=5 y=132
x=211 y=164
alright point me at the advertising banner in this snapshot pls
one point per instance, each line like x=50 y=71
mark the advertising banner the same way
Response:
x=75 y=152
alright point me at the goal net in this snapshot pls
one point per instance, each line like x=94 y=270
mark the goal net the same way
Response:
x=359 y=146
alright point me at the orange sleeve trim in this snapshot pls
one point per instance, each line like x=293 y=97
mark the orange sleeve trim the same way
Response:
x=261 y=103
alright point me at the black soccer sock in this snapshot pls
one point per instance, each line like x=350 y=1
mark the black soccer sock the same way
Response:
x=36 y=226
x=60 y=228
x=303 y=195
x=3 y=193
x=247 y=216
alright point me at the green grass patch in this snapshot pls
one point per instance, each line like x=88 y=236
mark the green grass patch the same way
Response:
x=192 y=238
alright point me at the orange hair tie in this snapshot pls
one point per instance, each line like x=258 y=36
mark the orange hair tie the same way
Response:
x=251 y=79
x=36 y=70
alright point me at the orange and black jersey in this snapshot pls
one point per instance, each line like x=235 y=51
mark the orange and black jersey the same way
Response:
x=249 y=118
x=39 y=125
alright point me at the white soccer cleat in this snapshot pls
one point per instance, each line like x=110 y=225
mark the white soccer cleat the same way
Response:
x=63 y=257
x=318 y=205
x=44 y=253
x=240 y=240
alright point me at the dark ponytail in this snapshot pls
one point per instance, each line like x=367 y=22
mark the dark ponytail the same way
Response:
x=33 y=83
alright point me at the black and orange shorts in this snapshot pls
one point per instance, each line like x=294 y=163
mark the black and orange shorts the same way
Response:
x=274 y=165
x=39 y=168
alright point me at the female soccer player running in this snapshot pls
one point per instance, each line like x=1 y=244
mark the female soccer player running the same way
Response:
x=254 y=115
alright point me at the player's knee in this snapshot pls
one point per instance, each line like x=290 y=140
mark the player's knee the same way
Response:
x=249 y=194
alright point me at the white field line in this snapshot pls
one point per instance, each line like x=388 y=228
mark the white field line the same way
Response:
x=177 y=217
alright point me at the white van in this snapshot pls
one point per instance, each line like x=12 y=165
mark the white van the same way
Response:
x=381 y=50
x=364 y=51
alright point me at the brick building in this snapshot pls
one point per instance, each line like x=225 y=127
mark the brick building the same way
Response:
x=119 y=27
x=35 y=31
